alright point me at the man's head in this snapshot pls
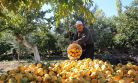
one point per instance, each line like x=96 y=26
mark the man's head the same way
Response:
x=79 y=26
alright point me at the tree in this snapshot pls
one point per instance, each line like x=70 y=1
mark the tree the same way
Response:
x=126 y=26
x=118 y=5
x=103 y=33
x=4 y=47
x=22 y=17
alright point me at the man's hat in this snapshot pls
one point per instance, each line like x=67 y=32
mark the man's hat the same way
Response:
x=78 y=22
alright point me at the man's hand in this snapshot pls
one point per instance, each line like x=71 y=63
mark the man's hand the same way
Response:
x=75 y=42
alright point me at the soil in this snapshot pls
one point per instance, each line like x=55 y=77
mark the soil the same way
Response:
x=8 y=65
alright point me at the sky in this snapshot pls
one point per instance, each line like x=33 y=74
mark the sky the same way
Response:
x=108 y=6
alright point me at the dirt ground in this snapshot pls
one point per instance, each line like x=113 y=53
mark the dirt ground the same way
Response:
x=8 y=65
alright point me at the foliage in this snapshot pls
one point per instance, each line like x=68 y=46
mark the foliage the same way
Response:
x=45 y=40
x=118 y=32
x=103 y=33
x=126 y=26
x=6 y=42
x=67 y=7
x=48 y=44
x=21 y=17
x=4 y=47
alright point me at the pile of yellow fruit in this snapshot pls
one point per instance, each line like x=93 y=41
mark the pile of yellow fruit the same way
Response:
x=71 y=71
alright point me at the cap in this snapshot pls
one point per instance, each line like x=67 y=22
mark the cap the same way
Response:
x=78 y=22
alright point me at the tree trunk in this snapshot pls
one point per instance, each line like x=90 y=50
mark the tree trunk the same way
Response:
x=19 y=54
x=21 y=39
x=36 y=54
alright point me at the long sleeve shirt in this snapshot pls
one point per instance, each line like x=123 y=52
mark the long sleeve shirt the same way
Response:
x=83 y=38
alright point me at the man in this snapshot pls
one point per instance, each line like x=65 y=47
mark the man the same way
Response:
x=84 y=38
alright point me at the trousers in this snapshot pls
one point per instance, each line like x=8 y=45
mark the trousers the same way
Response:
x=88 y=52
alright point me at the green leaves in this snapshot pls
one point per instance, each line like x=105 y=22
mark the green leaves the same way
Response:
x=126 y=26
x=16 y=12
x=4 y=47
x=62 y=9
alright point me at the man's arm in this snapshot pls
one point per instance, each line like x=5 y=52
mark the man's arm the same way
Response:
x=83 y=39
x=75 y=36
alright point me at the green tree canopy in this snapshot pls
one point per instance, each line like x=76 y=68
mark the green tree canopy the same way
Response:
x=127 y=27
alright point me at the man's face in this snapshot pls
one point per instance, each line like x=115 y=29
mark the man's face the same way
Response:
x=79 y=27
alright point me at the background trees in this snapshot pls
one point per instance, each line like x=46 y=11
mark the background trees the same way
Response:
x=126 y=26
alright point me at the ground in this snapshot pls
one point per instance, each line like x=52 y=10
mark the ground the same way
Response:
x=8 y=65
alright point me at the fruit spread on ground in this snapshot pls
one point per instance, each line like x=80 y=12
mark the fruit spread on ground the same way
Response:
x=73 y=71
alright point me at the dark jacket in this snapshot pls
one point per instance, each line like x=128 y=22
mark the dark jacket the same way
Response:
x=84 y=38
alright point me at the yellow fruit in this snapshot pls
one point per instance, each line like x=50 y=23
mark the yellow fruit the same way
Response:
x=45 y=71
x=122 y=81
x=128 y=80
x=18 y=77
x=51 y=73
x=117 y=78
x=24 y=80
x=63 y=80
x=103 y=67
x=1 y=81
x=39 y=65
x=101 y=80
x=33 y=82
x=63 y=75
x=129 y=64
x=25 y=67
x=131 y=72
x=39 y=79
x=82 y=73
x=108 y=72
x=32 y=66
x=136 y=79
x=93 y=76
x=47 y=77
x=120 y=72
x=21 y=68
x=132 y=82
x=94 y=81
x=12 y=80
x=88 y=73
x=3 y=77
x=54 y=78
x=11 y=72
x=29 y=76
x=40 y=71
